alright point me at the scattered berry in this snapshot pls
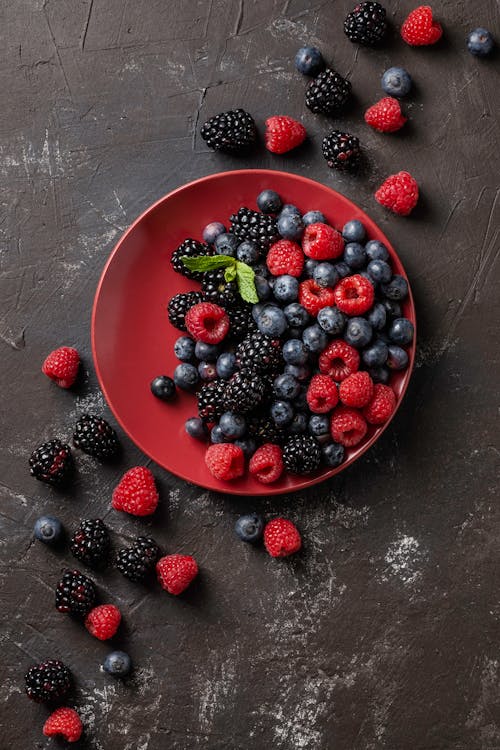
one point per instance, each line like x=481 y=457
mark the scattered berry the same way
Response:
x=301 y=454
x=207 y=322
x=341 y=150
x=420 y=29
x=399 y=193
x=366 y=24
x=48 y=530
x=285 y=256
x=281 y=538
x=381 y=406
x=48 y=682
x=356 y=390
x=322 y=242
x=283 y=134
x=322 y=394
x=137 y=561
x=176 y=572
x=314 y=297
x=52 y=463
x=117 y=664
x=75 y=594
x=225 y=461
x=396 y=82
x=233 y=131
x=62 y=365
x=480 y=42
x=347 y=426
x=91 y=543
x=354 y=295
x=163 y=387
x=309 y=61
x=339 y=360
x=66 y=722
x=249 y=528
x=95 y=436
x=385 y=116
x=329 y=93
x=103 y=621
x=266 y=464
x=136 y=492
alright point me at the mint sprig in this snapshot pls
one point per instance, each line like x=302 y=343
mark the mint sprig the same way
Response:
x=235 y=270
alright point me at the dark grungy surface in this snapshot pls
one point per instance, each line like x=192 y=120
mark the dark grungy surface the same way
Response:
x=385 y=633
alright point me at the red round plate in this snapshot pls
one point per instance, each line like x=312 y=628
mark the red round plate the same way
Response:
x=132 y=339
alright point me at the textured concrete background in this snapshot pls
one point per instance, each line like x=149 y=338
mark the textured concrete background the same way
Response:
x=384 y=633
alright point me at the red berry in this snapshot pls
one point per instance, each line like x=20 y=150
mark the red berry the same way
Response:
x=382 y=404
x=136 y=492
x=62 y=365
x=420 y=28
x=385 y=115
x=322 y=394
x=347 y=426
x=64 y=721
x=283 y=133
x=339 y=360
x=103 y=621
x=399 y=193
x=356 y=390
x=322 y=242
x=175 y=572
x=207 y=322
x=225 y=461
x=354 y=295
x=314 y=297
x=285 y=257
x=266 y=464
x=281 y=538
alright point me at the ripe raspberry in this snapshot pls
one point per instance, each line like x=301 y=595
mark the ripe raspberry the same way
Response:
x=354 y=295
x=322 y=394
x=356 y=390
x=175 y=572
x=207 y=322
x=347 y=426
x=136 y=492
x=322 y=242
x=399 y=193
x=62 y=365
x=64 y=721
x=385 y=116
x=281 y=538
x=283 y=134
x=225 y=461
x=266 y=464
x=420 y=29
x=314 y=297
x=382 y=404
x=285 y=257
x=339 y=360
x=103 y=621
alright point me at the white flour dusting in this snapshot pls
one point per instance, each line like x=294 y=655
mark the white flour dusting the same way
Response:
x=403 y=559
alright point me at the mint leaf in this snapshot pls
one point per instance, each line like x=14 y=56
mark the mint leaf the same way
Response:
x=230 y=273
x=245 y=277
x=207 y=263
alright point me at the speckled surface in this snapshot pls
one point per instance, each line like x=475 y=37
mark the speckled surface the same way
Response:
x=384 y=632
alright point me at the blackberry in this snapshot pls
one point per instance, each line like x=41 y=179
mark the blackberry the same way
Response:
x=52 y=463
x=75 y=594
x=241 y=322
x=49 y=681
x=90 y=542
x=341 y=150
x=248 y=224
x=262 y=429
x=328 y=93
x=245 y=391
x=259 y=353
x=366 y=24
x=233 y=131
x=137 y=561
x=189 y=248
x=301 y=454
x=95 y=436
x=179 y=305
x=216 y=289
x=211 y=400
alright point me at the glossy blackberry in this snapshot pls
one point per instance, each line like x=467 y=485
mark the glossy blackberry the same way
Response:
x=262 y=429
x=341 y=150
x=328 y=93
x=366 y=24
x=90 y=542
x=137 y=561
x=247 y=224
x=189 y=248
x=216 y=289
x=51 y=463
x=241 y=322
x=75 y=594
x=259 y=353
x=233 y=131
x=49 y=681
x=301 y=454
x=95 y=436
x=244 y=392
x=211 y=400
x=179 y=305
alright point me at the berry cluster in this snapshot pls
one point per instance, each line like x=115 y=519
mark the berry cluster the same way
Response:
x=281 y=536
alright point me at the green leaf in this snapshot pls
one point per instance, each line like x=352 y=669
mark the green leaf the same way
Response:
x=230 y=273
x=245 y=277
x=207 y=263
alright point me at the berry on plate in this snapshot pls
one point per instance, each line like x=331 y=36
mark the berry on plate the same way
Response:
x=396 y=82
x=283 y=134
x=328 y=93
x=103 y=621
x=348 y=427
x=48 y=530
x=52 y=463
x=207 y=322
x=65 y=722
x=399 y=193
x=136 y=492
x=354 y=295
x=285 y=256
x=48 y=682
x=269 y=201
x=382 y=404
x=341 y=150
x=420 y=28
x=301 y=454
x=176 y=572
x=339 y=360
x=309 y=61
x=233 y=131
x=322 y=242
x=281 y=538
x=62 y=365
x=117 y=664
x=225 y=461
x=322 y=394
x=314 y=297
x=162 y=386
x=366 y=24
x=480 y=42
x=356 y=390
x=95 y=436
x=266 y=464
x=385 y=116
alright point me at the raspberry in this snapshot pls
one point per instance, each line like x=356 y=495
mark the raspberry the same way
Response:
x=385 y=116
x=62 y=365
x=281 y=538
x=175 y=572
x=322 y=394
x=322 y=242
x=399 y=193
x=285 y=257
x=354 y=295
x=420 y=29
x=207 y=322
x=382 y=404
x=356 y=390
x=136 y=492
x=64 y=721
x=49 y=681
x=283 y=134
x=103 y=621
x=314 y=297
x=225 y=461
x=266 y=464
x=339 y=360
x=347 y=426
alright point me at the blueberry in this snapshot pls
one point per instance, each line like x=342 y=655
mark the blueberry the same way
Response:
x=184 y=349
x=207 y=371
x=310 y=266
x=314 y=338
x=262 y=288
x=295 y=352
x=298 y=425
x=300 y=403
x=249 y=528
x=269 y=202
x=257 y=309
x=376 y=354
x=377 y=316
x=314 y=217
x=186 y=376
x=396 y=288
x=247 y=252
x=163 y=387
x=226 y=244
x=290 y=226
x=333 y=454
x=289 y=209
x=196 y=428
x=379 y=374
x=396 y=82
x=217 y=436
x=392 y=308
x=325 y=274
x=247 y=445
x=397 y=359
x=296 y=315
x=319 y=424
x=286 y=288
x=117 y=664
x=309 y=61
x=212 y=231
x=294 y=333
x=48 y=529
x=226 y=365
x=206 y=352
x=480 y=42
x=301 y=372
x=401 y=331
x=281 y=413
x=353 y=231
x=354 y=255
x=233 y=426
x=260 y=269
x=271 y=321
x=331 y=320
x=342 y=269
x=379 y=271
x=358 y=332
x=376 y=250
x=286 y=387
